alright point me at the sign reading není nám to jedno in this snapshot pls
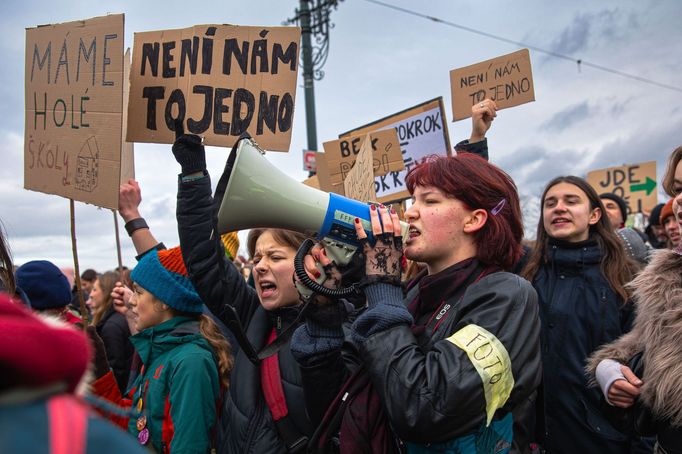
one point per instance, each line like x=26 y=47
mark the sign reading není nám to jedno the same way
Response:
x=218 y=80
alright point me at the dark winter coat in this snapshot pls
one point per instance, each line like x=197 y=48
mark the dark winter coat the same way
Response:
x=657 y=293
x=579 y=312
x=115 y=333
x=449 y=385
x=246 y=424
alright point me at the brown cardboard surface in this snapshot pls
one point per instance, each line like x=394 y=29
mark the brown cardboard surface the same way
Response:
x=127 y=148
x=313 y=182
x=341 y=154
x=324 y=178
x=507 y=80
x=73 y=109
x=230 y=79
x=422 y=131
x=635 y=183
x=359 y=181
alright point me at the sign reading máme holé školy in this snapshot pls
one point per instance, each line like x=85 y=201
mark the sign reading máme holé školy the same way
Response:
x=74 y=110
x=219 y=80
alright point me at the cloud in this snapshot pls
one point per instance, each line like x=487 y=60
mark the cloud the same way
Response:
x=574 y=37
x=565 y=119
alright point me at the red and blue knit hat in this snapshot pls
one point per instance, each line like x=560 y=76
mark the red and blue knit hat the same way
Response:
x=163 y=274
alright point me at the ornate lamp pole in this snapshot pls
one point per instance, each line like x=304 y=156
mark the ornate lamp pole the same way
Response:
x=313 y=17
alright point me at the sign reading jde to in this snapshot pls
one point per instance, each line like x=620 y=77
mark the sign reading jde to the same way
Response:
x=218 y=80
x=635 y=183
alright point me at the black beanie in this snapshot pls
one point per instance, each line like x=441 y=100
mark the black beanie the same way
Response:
x=44 y=284
x=655 y=218
x=621 y=203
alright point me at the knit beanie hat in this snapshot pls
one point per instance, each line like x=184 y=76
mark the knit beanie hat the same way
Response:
x=164 y=275
x=619 y=200
x=655 y=218
x=634 y=245
x=231 y=242
x=34 y=353
x=44 y=284
x=666 y=211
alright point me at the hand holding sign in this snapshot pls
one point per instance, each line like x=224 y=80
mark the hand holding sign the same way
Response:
x=482 y=116
x=188 y=151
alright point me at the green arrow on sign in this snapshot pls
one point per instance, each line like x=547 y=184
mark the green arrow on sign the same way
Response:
x=648 y=186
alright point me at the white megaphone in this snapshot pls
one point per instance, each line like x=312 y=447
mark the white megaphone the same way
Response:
x=257 y=194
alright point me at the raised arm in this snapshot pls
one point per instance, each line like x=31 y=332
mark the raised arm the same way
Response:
x=215 y=278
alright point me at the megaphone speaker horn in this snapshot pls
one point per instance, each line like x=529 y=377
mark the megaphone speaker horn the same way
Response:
x=258 y=194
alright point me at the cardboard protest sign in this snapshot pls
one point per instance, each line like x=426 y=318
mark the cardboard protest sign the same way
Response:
x=313 y=182
x=219 y=80
x=507 y=80
x=74 y=109
x=635 y=183
x=341 y=154
x=422 y=131
x=359 y=181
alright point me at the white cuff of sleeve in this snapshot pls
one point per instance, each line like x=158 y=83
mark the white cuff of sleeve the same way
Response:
x=607 y=372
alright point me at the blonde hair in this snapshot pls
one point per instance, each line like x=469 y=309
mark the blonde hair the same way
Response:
x=221 y=347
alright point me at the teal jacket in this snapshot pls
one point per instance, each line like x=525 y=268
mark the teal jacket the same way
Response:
x=178 y=384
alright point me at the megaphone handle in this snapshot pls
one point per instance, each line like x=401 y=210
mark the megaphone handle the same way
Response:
x=303 y=277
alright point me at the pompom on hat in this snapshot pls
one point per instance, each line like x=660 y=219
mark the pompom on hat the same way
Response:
x=44 y=284
x=163 y=274
x=230 y=241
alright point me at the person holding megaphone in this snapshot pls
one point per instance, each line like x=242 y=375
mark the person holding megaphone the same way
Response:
x=264 y=410
x=444 y=365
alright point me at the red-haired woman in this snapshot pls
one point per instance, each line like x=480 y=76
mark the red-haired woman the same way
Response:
x=449 y=361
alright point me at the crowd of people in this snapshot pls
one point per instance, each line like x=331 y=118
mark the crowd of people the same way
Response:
x=460 y=337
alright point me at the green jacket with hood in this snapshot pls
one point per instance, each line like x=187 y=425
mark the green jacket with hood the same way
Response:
x=178 y=385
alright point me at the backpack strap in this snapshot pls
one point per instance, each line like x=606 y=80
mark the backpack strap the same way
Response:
x=68 y=422
x=271 y=383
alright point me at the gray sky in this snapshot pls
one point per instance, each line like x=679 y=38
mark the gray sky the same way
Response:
x=382 y=61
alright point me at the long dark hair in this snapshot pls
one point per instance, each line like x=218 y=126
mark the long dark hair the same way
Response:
x=615 y=266
x=669 y=176
x=6 y=264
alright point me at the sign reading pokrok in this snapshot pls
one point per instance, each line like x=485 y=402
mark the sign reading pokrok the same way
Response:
x=219 y=80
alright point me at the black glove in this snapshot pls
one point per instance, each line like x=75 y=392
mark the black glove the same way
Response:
x=383 y=261
x=100 y=362
x=188 y=151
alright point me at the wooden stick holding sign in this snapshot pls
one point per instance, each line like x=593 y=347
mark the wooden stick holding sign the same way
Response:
x=507 y=80
x=77 y=273
x=118 y=249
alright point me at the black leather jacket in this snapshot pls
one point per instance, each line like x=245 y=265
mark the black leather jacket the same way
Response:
x=431 y=388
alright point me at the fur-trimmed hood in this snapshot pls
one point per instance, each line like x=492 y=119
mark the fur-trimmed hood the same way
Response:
x=657 y=332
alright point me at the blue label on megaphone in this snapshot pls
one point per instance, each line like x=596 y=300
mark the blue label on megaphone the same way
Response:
x=339 y=221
